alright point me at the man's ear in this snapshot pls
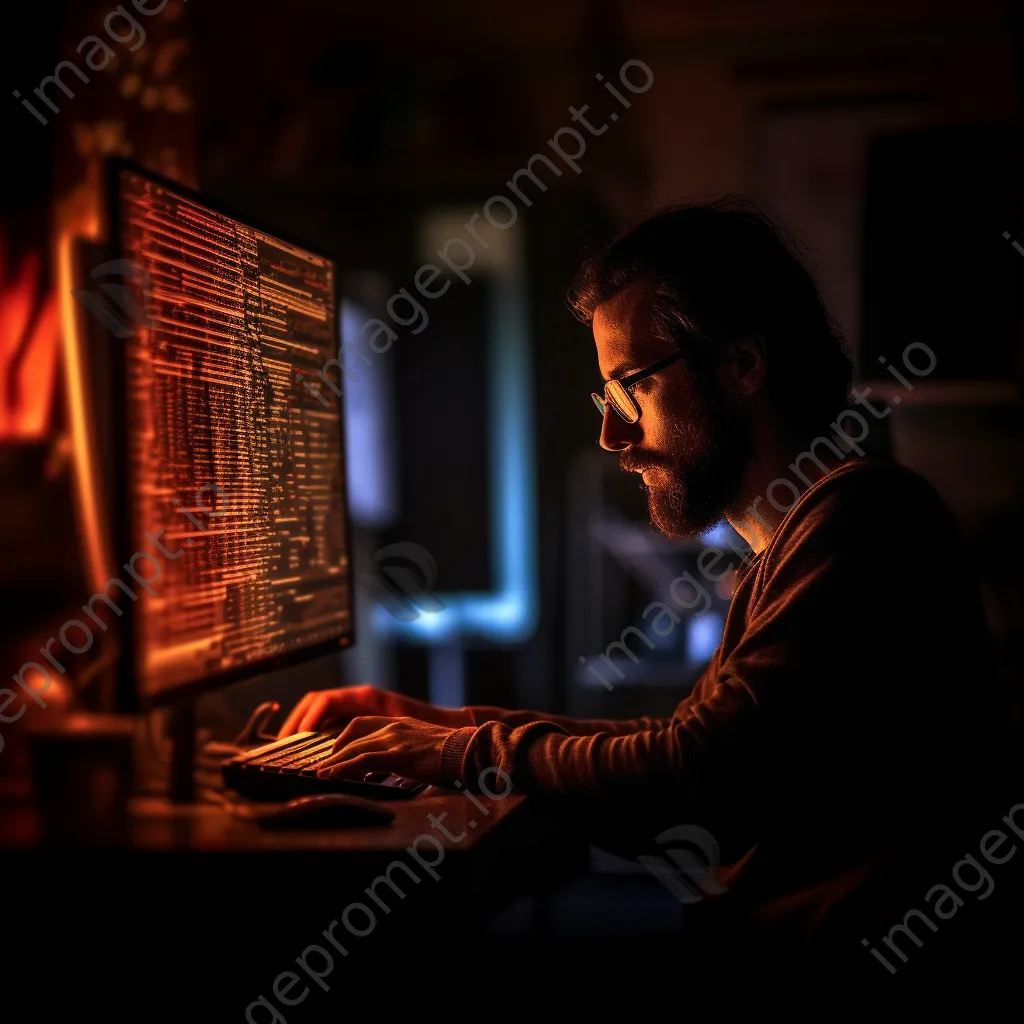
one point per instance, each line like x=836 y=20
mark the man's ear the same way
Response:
x=744 y=368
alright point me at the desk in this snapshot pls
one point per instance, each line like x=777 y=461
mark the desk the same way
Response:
x=204 y=910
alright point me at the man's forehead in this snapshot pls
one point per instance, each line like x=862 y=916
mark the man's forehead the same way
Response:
x=623 y=331
x=624 y=307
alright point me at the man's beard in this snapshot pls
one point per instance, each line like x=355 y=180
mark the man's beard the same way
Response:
x=693 y=485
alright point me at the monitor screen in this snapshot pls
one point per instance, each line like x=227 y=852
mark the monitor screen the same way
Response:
x=234 y=445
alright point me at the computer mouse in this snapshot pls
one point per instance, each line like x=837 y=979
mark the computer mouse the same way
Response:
x=327 y=810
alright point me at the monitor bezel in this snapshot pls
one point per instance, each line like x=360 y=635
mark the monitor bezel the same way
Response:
x=130 y=696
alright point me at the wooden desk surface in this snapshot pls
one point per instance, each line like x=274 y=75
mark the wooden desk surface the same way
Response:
x=202 y=907
x=156 y=824
x=457 y=822
x=489 y=849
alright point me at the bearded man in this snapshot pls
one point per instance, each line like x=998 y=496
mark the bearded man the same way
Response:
x=823 y=756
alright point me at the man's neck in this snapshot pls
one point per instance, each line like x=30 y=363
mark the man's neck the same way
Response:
x=772 y=486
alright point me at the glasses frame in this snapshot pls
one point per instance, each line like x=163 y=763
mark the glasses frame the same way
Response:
x=617 y=390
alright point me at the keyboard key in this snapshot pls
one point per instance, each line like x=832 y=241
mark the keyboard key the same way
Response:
x=289 y=767
x=269 y=750
x=309 y=754
x=292 y=753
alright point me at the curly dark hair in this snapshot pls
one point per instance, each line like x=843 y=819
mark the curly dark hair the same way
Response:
x=722 y=272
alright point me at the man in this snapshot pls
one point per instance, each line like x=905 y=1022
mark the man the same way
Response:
x=833 y=737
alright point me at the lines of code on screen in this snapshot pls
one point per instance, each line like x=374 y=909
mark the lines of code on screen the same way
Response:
x=224 y=433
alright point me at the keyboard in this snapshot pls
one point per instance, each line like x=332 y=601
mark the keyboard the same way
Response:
x=287 y=768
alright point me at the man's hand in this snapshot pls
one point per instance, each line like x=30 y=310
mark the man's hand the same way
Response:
x=405 y=746
x=322 y=709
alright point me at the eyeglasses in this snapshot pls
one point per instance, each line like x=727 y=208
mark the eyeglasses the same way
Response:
x=617 y=392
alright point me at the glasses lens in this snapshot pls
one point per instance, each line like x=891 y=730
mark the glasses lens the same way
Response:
x=599 y=402
x=621 y=402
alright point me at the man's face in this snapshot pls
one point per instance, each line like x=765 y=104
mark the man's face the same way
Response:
x=691 y=443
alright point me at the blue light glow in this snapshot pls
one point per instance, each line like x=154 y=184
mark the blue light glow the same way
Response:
x=509 y=613
x=703 y=635
x=371 y=487
x=717 y=536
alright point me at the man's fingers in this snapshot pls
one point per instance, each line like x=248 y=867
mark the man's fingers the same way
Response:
x=336 y=704
x=338 y=757
x=317 y=712
x=344 y=765
x=291 y=723
x=358 y=728
x=318 y=707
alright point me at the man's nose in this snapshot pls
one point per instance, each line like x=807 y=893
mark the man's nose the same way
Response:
x=616 y=434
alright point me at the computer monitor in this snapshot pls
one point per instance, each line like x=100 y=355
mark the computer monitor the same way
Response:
x=231 y=473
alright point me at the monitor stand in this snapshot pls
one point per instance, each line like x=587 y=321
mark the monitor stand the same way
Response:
x=181 y=729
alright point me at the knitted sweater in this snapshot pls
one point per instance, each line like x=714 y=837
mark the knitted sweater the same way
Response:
x=830 y=736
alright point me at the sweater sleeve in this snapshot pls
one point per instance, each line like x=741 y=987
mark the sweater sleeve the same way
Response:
x=481 y=714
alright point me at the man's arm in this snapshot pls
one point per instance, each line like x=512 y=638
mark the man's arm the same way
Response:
x=832 y=685
x=323 y=709
x=835 y=700
x=482 y=714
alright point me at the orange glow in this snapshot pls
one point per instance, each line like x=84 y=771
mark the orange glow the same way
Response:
x=76 y=215
x=28 y=351
x=34 y=333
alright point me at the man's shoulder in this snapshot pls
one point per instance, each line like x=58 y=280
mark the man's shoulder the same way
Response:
x=870 y=503
x=871 y=479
